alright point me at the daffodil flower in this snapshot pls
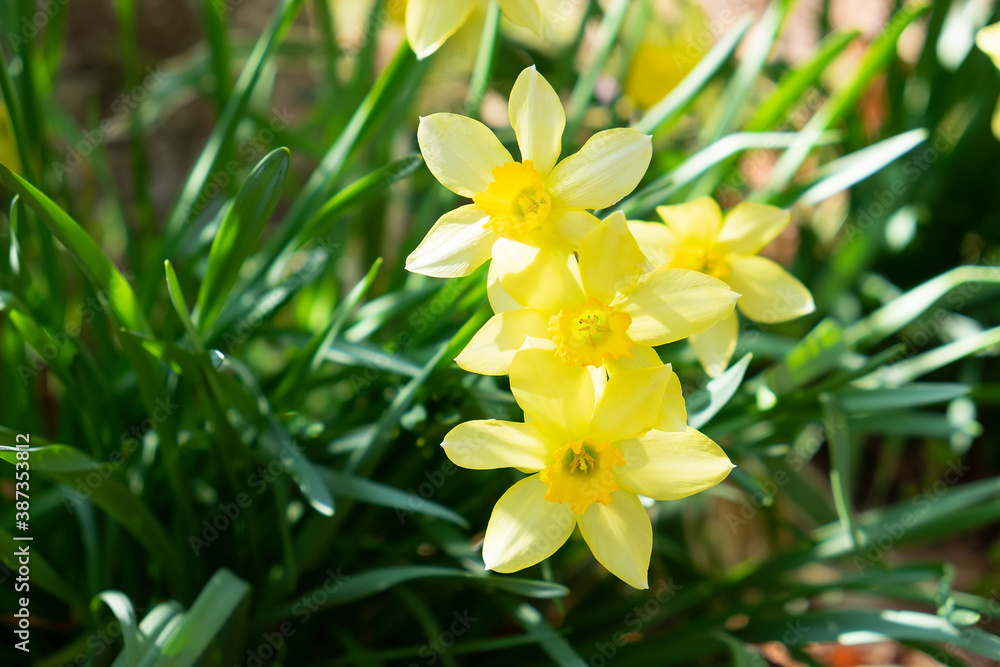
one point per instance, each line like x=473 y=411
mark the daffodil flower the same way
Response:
x=601 y=310
x=535 y=200
x=672 y=43
x=696 y=237
x=590 y=453
x=429 y=23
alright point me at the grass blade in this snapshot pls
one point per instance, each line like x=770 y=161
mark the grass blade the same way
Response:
x=238 y=234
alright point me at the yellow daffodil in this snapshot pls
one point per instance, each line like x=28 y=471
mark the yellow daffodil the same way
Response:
x=674 y=39
x=429 y=23
x=535 y=200
x=988 y=39
x=697 y=237
x=601 y=310
x=591 y=451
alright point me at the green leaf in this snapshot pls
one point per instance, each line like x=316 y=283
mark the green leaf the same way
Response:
x=223 y=132
x=864 y=626
x=820 y=351
x=554 y=644
x=896 y=398
x=363 y=459
x=876 y=58
x=99 y=270
x=317 y=189
x=344 y=589
x=353 y=194
x=43 y=574
x=180 y=644
x=922 y=364
x=306 y=475
x=657 y=192
x=121 y=606
x=797 y=81
x=180 y=306
x=482 y=70
x=840 y=174
x=716 y=394
x=68 y=465
x=238 y=234
x=359 y=488
x=842 y=464
x=309 y=359
x=733 y=100
x=583 y=91
x=743 y=654
x=902 y=310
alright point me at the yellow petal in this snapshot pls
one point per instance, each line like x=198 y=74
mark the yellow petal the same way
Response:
x=995 y=121
x=430 y=22
x=492 y=348
x=606 y=169
x=655 y=240
x=455 y=246
x=667 y=466
x=557 y=396
x=537 y=117
x=988 y=39
x=670 y=304
x=571 y=224
x=714 y=347
x=545 y=279
x=524 y=528
x=460 y=152
x=749 y=227
x=630 y=404
x=769 y=293
x=610 y=259
x=499 y=299
x=621 y=537
x=643 y=356
x=697 y=220
x=673 y=412
x=524 y=13
x=486 y=444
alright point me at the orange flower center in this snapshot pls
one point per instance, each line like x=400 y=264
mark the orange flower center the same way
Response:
x=581 y=474
x=516 y=200
x=590 y=333
x=706 y=258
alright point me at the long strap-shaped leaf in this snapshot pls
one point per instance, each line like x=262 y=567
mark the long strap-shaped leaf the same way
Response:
x=223 y=132
x=98 y=268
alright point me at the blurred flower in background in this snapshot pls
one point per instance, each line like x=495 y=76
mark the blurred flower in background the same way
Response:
x=677 y=34
x=988 y=39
